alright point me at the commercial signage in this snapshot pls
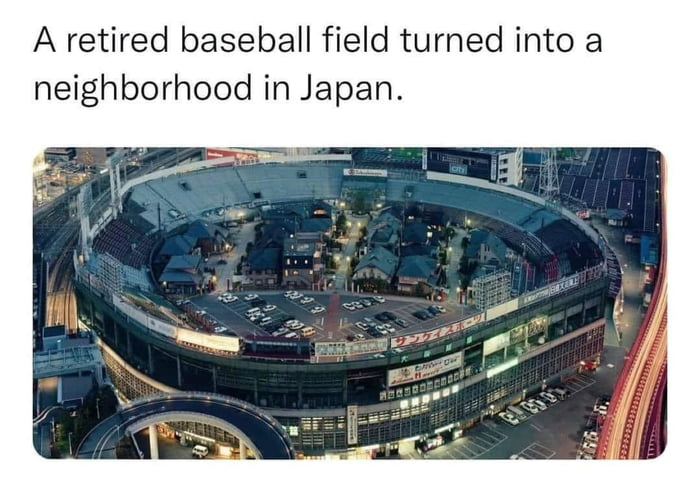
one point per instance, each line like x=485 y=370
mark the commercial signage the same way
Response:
x=162 y=328
x=534 y=296
x=496 y=343
x=435 y=334
x=563 y=285
x=342 y=348
x=241 y=157
x=422 y=371
x=458 y=169
x=352 y=424
x=374 y=173
x=502 y=309
x=209 y=341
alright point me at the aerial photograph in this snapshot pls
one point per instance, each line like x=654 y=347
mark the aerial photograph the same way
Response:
x=349 y=303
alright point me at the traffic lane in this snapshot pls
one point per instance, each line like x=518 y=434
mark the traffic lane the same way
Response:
x=268 y=440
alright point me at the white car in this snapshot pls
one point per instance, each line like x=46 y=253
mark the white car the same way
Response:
x=289 y=293
x=548 y=398
x=230 y=299
x=529 y=408
x=348 y=306
x=360 y=337
x=295 y=296
x=280 y=331
x=441 y=308
x=601 y=409
x=539 y=404
x=224 y=297
x=318 y=309
x=516 y=456
x=251 y=296
x=589 y=447
x=591 y=435
x=389 y=329
x=379 y=299
x=361 y=325
x=219 y=329
x=306 y=300
x=296 y=325
x=509 y=418
x=269 y=308
x=357 y=305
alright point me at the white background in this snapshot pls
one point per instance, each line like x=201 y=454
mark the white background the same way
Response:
x=641 y=91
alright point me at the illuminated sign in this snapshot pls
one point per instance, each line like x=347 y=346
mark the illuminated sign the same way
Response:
x=439 y=333
x=416 y=372
x=342 y=348
x=352 y=424
x=458 y=169
x=209 y=341
x=162 y=328
x=375 y=173
x=563 y=285
x=496 y=343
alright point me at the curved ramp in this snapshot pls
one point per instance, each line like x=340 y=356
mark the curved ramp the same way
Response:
x=260 y=432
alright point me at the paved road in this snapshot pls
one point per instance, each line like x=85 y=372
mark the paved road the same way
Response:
x=268 y=438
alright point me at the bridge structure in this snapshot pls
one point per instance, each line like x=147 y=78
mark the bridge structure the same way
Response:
x=71 y=360
x=635 y=424
x=256 y=433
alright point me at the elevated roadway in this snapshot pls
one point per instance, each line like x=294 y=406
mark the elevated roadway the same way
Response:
x=261 y=433
x=634 y=427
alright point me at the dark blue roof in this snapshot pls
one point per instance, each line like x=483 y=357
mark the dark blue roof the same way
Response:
x=649 y=247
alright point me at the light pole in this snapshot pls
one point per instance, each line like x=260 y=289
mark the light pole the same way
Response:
x=97 y=406
x=70 y=444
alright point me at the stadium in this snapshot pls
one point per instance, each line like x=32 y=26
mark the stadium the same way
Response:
x=155 y=281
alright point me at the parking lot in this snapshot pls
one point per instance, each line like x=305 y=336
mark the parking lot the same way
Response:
x=555 y=433
x=476 y=442
x=333 y=316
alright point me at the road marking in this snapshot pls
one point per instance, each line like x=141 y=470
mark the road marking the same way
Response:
x=534 y=426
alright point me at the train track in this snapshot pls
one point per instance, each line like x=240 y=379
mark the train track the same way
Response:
x=60 y=299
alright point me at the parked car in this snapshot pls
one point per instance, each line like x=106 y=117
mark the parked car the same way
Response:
x=269 y=308
x=365 y=302
x=401 y=323
x=360 y=337
x=509 y=418
x=361 y=325
x=318 y=309
x=250 y=296
x=349 y=306
x=547 y=398
x=378 y=299
x=529 y=408
x=539 y=404
x=306 y=300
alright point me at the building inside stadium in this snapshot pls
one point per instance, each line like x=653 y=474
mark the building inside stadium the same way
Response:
x=334 y=397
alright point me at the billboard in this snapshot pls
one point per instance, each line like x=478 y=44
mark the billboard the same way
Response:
x=161 y=327
x=372 y=173
x=216 y=342
x=502 y=309
x=496 y=343
x=342 y=348
x=435 y=334
x=352 y=424
x=422 y=371
x=240 y=156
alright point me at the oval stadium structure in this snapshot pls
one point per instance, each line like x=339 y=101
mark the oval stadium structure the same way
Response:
x=156 y=305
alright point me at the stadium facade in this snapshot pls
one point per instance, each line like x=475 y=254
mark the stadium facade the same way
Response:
x=336 y=396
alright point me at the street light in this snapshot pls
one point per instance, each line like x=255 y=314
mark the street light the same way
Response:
x=70 y=444
x=97 y=406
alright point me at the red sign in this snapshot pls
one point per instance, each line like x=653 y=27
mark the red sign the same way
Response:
x=432 y=335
